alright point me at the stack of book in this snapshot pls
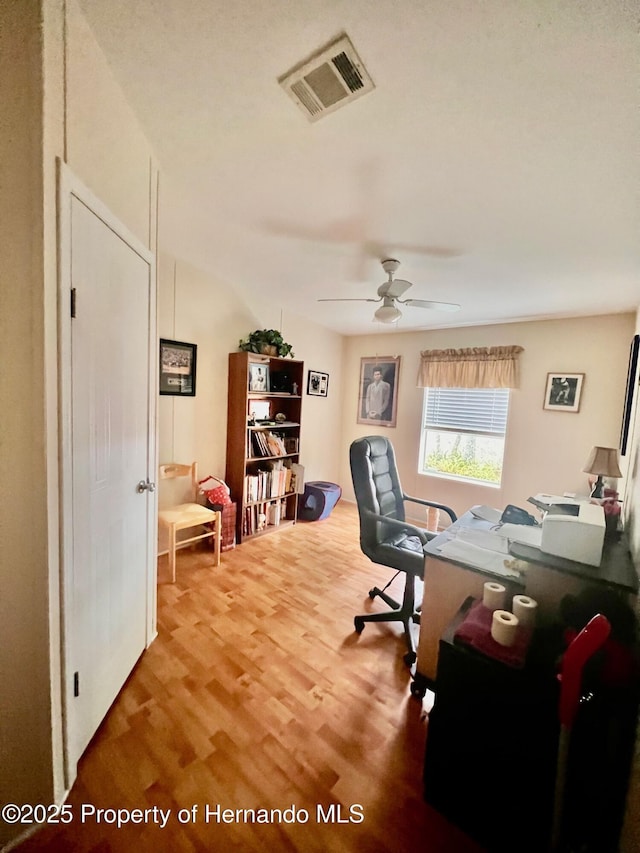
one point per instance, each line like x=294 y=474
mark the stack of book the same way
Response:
x=268 y=483
x=265 y=443
x=260 y=515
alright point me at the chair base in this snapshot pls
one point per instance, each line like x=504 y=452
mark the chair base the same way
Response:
x=405 y=613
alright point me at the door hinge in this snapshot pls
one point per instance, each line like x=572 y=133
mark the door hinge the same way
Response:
x=76 y=684
x=73 y=302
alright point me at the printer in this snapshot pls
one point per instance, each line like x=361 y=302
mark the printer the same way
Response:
x=575 y=532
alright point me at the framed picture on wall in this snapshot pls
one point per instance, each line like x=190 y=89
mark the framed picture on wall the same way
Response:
x=177 y=368
x=378 y=394
x=317 y=383
x=563 y=391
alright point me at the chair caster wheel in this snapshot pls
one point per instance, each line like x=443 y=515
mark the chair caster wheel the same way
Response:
x=372 y=594
x=358 y=624
x=409 y=658
x=418 y=690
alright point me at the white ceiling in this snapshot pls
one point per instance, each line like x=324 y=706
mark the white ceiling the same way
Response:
x=504 y=131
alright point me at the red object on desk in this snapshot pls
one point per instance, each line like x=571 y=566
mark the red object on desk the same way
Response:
x=475 y=631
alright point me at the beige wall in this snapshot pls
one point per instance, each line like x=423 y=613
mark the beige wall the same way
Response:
x=25 y=712
x=74 y=111
x=197 y=307
x=106 y=146
x=544 y=450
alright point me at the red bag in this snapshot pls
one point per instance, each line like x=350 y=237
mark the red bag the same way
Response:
x=216 y=491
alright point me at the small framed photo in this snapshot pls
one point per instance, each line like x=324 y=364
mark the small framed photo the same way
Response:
x=258 y=377
x=378 y=396
x=177 y=368
x=317 y=383
x=563 y=391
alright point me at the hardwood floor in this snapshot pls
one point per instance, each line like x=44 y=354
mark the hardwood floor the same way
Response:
x=257 y=694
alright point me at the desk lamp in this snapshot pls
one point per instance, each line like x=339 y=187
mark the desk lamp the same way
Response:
x=602 y=461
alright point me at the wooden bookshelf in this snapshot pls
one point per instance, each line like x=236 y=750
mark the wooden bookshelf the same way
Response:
x=263 y=453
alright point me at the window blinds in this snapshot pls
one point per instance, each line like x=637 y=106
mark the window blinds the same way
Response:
x=480 y=410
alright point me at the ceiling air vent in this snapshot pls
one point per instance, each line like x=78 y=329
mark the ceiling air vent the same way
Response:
x=332 y=78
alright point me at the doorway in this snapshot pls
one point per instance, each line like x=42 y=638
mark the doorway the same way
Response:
x=108 y=395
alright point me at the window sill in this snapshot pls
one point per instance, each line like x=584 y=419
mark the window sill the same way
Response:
x=467 y=481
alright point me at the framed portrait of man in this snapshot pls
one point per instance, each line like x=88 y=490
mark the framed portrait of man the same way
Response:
x=378 y=398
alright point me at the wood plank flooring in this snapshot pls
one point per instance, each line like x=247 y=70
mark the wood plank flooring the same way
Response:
x=257 y=694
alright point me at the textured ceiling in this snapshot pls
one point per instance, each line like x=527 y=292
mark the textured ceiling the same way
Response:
x=498 y=157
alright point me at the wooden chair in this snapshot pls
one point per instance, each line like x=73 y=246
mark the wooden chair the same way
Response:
x=188 y=515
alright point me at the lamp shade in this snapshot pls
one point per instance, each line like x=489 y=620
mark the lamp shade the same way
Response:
x=604 y=462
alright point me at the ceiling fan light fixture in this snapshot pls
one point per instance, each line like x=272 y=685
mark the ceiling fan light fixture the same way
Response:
x=388 y=314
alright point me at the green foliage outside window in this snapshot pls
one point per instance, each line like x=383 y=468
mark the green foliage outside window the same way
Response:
x=464 y=460
x=458 y=463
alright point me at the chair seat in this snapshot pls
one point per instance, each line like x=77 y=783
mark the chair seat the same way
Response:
x=205 y=523
x=186 y=515
x=401 y=552
x=405 y=541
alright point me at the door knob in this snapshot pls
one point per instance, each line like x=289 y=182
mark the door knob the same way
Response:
x=145 y=486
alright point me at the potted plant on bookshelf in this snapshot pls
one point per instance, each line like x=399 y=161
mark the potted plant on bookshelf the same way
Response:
x=266 y=342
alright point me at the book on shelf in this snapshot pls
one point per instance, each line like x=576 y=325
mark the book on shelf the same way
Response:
x=272 y=481
x=291 y=443
x=297 y=478
x=260 y=515
x=265 y=443
x=273 y=514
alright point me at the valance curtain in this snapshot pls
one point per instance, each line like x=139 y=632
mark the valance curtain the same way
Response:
x=475 y=367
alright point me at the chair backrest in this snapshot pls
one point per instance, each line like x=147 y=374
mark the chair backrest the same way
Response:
x=173 y=470
x=376 y=484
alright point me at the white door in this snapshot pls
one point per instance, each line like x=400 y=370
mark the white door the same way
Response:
x=108 y=581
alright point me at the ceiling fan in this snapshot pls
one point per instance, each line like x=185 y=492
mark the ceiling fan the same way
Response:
x=389 y=294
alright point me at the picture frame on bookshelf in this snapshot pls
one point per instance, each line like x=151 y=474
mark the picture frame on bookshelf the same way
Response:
x=317 y=383
x=259 y=378
x=378 y=398
x=177 y=368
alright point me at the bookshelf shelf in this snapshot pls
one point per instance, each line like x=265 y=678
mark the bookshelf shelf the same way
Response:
x=276 y=468
x=273 y=425
x=262 y=395
x=268 y=500
x=271 y=458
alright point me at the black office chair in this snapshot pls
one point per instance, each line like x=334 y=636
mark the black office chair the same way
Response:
x=385 y=536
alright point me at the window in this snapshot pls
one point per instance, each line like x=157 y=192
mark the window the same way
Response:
x=463 y=433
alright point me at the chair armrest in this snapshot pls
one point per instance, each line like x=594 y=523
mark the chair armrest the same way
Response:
x=404 y=526
x=443 y=507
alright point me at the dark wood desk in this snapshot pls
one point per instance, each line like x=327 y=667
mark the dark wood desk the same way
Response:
x=545 y=578
x=615 y=571
x=492 y=745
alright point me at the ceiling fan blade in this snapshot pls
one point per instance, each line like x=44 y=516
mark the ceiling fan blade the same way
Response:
x=431 y=251
x=394 y=288
x=381 y=249
x=349 y=300
x=347 y=230
x=427 y=303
